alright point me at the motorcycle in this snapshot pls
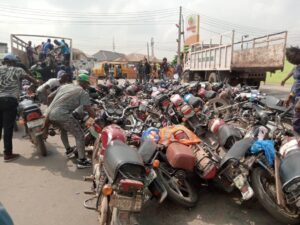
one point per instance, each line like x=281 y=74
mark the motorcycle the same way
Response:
x=122 y=176
x=33 y=121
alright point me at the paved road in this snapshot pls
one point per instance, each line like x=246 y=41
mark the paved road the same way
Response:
x=49 y=191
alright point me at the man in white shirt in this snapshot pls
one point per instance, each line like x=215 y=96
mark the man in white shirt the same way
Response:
x=52 y=84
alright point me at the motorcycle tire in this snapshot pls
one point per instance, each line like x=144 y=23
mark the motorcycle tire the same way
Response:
x=215 y=103
x=96 y=149
x=104 y=210
x=40 y=144
x=257 y=176
x=189 y=201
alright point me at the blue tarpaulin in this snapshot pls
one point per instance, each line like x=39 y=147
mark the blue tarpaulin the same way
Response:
x=267 y=146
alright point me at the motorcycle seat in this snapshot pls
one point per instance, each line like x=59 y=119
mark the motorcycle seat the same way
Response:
x=147 y=151
x=238 y=150
x=210 y=95
x=122 y=160
x=28 y=106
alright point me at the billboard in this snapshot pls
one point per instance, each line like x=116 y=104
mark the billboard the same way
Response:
x=192 y=30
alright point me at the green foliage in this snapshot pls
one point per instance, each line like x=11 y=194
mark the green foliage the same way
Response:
x=278 y=76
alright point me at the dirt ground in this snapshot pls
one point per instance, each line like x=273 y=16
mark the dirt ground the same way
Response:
x=49 y=191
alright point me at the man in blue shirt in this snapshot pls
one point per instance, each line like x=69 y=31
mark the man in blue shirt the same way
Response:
x=47 y=47
x=64 y=49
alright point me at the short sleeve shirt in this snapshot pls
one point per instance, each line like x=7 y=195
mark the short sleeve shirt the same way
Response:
x=67 y=99
x=64 y=48
x=10 y=78
x=52 y=83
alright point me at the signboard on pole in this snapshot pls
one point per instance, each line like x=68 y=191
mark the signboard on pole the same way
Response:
x=192 y=30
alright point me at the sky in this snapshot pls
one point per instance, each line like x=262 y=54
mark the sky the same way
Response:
x=130 y=24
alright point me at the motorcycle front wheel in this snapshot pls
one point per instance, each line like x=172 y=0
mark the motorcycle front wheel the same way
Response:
x=180 y=191
x=264 y=188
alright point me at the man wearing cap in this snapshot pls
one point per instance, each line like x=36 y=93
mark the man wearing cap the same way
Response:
x=66 y=99
x=10 y=78
x=46 y=88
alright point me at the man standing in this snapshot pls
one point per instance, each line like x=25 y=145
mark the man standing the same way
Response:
x=29 y=52
x=10 y=78
x=140 y=70
x=147 y=68
x=106 y=70
x=179 y=70
x=66 y=99
x=164 y=69
x=47 y=47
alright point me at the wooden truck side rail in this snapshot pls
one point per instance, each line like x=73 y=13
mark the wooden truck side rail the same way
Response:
x=266 y=53
x=263 y=54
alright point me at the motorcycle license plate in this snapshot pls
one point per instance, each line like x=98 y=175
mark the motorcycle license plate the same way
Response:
x=239 y=181
x=35 y=123
x=126 y=203
x=152 y=175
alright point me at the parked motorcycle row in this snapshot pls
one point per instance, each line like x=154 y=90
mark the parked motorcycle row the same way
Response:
x=150 y=140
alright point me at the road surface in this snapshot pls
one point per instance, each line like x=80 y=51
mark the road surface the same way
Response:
x=49 y=191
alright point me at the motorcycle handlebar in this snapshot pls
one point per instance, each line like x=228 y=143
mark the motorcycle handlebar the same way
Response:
x=100 y=102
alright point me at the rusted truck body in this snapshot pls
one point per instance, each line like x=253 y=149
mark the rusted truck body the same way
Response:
x=245 y=61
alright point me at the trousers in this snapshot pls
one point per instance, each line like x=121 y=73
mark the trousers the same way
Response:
x=71 y=125
x=8 y=113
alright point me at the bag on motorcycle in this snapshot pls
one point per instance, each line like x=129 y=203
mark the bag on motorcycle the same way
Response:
x=180 y=156
x=167 y=135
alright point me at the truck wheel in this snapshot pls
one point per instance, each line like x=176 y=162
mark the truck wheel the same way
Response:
x=186 y=77
x=212 y=78
x=197 y=77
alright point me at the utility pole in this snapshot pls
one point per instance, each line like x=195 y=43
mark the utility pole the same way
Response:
x=114 y=46
x=152 y=48
x=179 y=36
x=148 y=51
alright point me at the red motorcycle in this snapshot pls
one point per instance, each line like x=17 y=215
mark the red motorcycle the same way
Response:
x=121 y=177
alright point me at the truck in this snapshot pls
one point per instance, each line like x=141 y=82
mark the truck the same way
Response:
x=246 y=61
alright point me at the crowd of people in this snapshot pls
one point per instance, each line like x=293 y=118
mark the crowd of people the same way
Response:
x=61 y=49
x=60 y=95
x=147 y=72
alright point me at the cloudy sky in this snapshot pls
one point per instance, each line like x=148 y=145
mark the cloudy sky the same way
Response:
x=94 y=24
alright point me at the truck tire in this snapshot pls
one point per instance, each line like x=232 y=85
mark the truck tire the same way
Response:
x=212 y=78
x=186 y=77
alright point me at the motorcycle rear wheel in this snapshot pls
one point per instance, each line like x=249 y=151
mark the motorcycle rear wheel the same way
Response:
x=40 y=144
x=260 y=182
x=104 y=209
x=181 y=192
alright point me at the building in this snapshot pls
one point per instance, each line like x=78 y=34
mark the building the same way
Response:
x=3 y=50
x=109 y=56
x=3 y=47
x=134 y=58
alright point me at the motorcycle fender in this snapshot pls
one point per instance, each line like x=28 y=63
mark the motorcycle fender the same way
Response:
x=158 y=190
x=226 y=131
x=289 y=169
x=238 y=150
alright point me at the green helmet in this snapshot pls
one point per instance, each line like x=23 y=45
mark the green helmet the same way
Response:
x=83 y=77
